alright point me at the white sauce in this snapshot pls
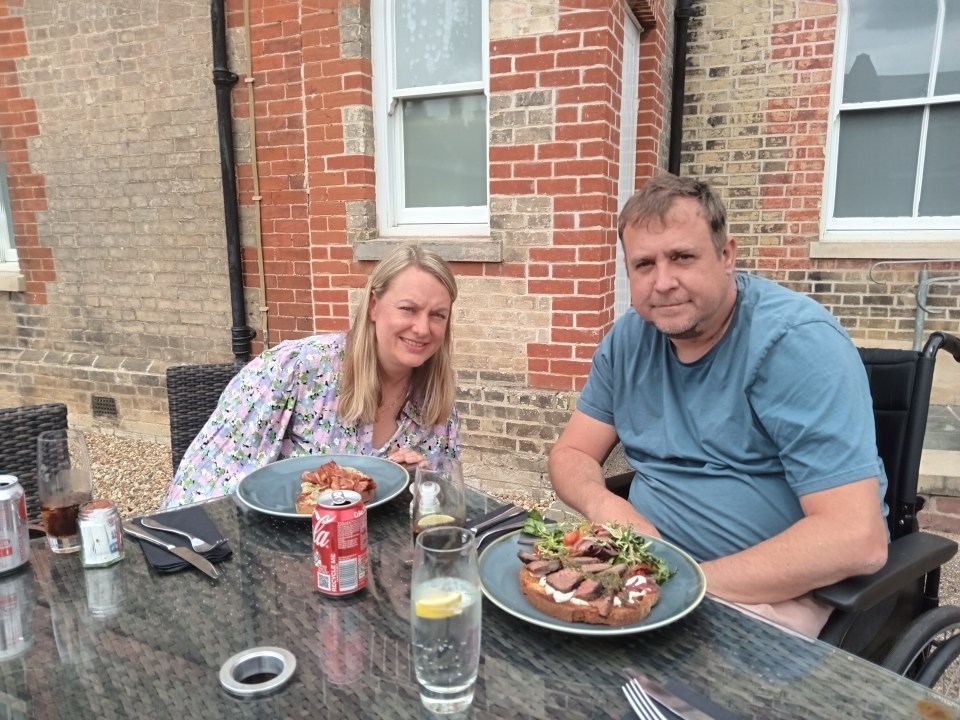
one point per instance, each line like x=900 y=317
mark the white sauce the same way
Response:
x=637 y=581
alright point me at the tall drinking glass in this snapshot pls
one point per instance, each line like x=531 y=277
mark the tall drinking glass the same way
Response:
x=445 y=618
x=64 y=483
x=439 y=496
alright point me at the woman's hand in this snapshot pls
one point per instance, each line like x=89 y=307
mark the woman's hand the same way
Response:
x=407 y=456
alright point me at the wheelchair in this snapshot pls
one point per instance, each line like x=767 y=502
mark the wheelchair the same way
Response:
x=893 y=617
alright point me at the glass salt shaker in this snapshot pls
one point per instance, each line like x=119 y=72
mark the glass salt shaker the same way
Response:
x=101 y=539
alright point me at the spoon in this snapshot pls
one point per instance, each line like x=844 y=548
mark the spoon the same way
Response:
x=200 y=546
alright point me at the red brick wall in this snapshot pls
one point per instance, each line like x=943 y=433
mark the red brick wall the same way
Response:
x=307 y=178
x=18 y=118
x=795 y=128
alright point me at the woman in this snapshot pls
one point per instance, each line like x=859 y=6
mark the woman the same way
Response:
x=384 y=388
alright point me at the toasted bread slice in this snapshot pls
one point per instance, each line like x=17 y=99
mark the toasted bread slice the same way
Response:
x=568 y=611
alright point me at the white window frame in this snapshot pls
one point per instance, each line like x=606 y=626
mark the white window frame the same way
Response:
x=8 y=246
x=901 y=230
x=392 y=217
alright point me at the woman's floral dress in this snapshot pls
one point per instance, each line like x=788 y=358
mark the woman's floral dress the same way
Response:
x=284 y=404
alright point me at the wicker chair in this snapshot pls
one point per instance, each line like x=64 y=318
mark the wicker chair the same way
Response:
x=192 y=395
x=19 y=429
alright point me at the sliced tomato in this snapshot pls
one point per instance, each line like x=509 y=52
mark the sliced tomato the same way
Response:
x=571 y=537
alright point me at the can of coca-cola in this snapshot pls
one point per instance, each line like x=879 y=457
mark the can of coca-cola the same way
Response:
x=14 y=533
x=339 y=543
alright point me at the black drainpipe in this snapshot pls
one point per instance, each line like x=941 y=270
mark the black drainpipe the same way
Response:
x=223 y=81
x=681 y=19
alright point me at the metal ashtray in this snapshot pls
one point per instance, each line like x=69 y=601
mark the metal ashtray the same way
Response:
x=257 y=671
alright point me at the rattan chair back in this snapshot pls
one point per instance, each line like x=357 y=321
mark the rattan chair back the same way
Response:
x=19 y=429
x=192 y=395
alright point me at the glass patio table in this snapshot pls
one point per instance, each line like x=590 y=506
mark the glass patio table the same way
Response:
x=158 y=650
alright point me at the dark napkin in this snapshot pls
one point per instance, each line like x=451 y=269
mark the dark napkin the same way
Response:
x=193 y=519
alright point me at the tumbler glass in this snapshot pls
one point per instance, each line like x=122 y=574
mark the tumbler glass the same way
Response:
x=445 y=618
x=439 y=496
x=64 y=483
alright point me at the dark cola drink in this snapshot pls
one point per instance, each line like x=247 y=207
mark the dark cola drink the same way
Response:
x=60 y=516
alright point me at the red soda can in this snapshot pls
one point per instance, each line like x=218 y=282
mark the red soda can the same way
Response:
x=14 y=533
x=339 y=543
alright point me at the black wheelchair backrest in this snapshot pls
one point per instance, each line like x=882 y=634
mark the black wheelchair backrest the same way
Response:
x=900 y=383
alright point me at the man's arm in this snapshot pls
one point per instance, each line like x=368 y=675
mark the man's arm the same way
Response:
x=576 y=474
x=841 y=534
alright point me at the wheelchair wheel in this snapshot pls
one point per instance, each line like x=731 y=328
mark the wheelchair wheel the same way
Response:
x=927 y=648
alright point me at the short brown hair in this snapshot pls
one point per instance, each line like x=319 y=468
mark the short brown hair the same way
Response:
x=656 y=198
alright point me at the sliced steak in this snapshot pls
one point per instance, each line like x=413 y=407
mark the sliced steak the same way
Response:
x=543 y=567
x=588 y=590
x=564 y=580
x=527 y=556
x=595 y=567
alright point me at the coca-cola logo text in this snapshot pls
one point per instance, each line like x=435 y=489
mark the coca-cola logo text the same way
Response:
x=321 y=536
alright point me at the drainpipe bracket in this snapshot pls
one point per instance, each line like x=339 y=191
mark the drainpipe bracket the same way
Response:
x=225 y=77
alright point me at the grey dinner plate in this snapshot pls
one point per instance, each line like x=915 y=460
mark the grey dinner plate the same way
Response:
x=273 y=489
x=500 y=582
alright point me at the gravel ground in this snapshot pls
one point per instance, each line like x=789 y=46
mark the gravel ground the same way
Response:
x=134 y=474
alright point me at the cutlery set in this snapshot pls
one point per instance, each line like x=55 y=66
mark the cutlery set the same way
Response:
x=647 y=696
x=186 y=554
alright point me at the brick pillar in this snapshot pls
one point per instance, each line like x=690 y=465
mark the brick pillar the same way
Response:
x=18 y=117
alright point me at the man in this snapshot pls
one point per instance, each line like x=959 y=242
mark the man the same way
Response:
x=744 y=409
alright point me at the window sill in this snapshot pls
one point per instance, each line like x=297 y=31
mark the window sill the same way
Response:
x=12 y=281
x=451 y=249
x=886 y=249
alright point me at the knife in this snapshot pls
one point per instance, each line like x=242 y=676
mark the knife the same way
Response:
x=195 y=559
x=678 y=705
x=495 y=518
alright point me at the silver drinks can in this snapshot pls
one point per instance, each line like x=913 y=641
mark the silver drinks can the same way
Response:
x=14 y=533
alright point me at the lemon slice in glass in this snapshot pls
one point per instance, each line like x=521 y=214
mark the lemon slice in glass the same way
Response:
x=435 y=520
x=439 y=604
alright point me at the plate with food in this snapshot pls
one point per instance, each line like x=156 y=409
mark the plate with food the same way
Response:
x=289 y=488
x=590 y=578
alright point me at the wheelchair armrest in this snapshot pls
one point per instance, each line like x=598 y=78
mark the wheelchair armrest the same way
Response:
x=908 y=558
x=619 y=484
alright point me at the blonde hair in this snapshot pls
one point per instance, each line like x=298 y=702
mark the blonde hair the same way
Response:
x=433 y=384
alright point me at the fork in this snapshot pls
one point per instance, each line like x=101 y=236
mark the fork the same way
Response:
x=199 y=545
x=641 y=703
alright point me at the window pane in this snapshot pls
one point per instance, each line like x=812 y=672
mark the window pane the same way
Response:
x=8 y=247
x=438 y=43
x=877 y=163
x=948 y=71
x=445 y=151
x=941 y=165
x=888 y=49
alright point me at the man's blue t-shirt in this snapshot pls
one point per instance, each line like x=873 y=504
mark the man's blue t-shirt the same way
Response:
x=723 y=447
